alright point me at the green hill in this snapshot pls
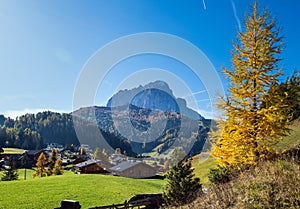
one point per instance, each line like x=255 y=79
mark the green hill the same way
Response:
x=90 y=190
x=203 y=162
x=271 y=184
x=292 y=139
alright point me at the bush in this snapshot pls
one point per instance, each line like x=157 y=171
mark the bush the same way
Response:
x=292 y=154
x=270 y=184
x=221 y=174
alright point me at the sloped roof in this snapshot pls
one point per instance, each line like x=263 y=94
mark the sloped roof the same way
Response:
x=33 y=152
x=86 y=163
x=125 y=165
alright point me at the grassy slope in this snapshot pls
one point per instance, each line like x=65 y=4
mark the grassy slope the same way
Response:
x=202 y=166
x=292 y=139
x=203 y=163
x=89 y=190
x=272 y=184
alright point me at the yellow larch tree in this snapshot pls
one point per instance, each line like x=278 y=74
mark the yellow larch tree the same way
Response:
x=248 y=128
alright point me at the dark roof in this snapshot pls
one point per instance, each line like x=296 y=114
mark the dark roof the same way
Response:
x=125 y=165
x=86 y=163
x=33 y=152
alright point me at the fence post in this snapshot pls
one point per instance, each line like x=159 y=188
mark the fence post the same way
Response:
x=70 y=204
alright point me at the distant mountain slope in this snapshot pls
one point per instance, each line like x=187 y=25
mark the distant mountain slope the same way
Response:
x=152 y=110
x=142 y=119
x=145 y=119
x=34 y=131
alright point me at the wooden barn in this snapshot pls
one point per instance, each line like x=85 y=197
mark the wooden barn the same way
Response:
x=91 y=167
x=133 y=169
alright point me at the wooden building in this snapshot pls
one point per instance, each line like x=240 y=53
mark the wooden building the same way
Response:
x=133 y=169
x=91 y=167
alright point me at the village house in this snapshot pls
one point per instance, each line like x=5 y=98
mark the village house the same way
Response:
x=92 y=167
x=51 y=146
x=117 y=158
x=79 y=159
x=29 y=158
x=133 y=169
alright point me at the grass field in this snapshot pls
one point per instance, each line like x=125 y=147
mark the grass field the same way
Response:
x=202 y=164
x=90 y=190
x=13 y=151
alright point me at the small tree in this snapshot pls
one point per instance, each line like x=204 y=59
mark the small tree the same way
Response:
x=11 y=172
x=52 y=160
x=104 y=153
x=100 y=155
x=58 y=169
x=41 y=166
x=118 y=151
x=182 y=186
x=97 y=154
x=82 y=152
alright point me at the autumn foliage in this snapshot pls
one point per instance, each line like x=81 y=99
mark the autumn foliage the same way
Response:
x=253 y=119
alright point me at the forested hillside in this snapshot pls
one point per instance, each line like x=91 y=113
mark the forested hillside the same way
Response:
x=34 y=131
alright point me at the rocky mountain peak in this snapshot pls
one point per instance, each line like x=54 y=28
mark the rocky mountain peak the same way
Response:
x=156 y=95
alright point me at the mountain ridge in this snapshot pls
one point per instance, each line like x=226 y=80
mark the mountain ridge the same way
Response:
x=153 y=110
x=155 y=95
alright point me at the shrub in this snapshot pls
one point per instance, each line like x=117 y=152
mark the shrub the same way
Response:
x=270 y=184
x=221 y=174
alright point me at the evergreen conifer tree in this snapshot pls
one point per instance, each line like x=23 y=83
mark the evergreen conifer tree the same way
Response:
x=182 y=186
x=11 y=172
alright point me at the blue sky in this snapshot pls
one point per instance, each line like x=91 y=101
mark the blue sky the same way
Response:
x=44 y=45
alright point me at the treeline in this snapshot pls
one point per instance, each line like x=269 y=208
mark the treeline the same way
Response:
x=34 y=131
x=18 y=138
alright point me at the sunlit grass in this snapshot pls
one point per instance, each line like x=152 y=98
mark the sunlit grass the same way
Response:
x=90 y=190
x=202 y=164
x=13 y=151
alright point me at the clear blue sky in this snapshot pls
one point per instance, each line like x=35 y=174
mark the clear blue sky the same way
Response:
x=45 y=44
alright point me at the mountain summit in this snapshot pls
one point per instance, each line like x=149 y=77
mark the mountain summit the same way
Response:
x=155 y=96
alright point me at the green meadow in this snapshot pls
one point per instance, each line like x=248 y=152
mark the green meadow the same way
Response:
x=90 y=190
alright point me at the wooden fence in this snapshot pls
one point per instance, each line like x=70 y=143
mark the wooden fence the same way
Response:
x=147 y=203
